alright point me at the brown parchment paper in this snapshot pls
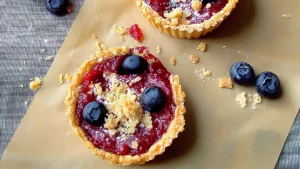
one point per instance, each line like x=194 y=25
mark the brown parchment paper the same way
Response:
x=219 y=134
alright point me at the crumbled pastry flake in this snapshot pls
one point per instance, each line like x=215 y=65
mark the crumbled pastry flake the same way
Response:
x=49 y=58
x=173 y=60
x=36 y=83
x=202 y=73
x=60 y=79
x=286 y=16
x=177 y=17
x=69 y=134
x=241 y=99
x=98 y=89
x=120 y=30
x=202 y=47
x=94 y=36
x=134 y=144
x=257 y=99
x=208 y=5
x=196 y=5
x=225 y=83
x=135 y=80
x=158 y=49
x=124 y=137
x=224 y=46
x=122 y=39
x=112 y=132
x=194 y=58
x=22 y=86
x=147 y=120
x=68 y=77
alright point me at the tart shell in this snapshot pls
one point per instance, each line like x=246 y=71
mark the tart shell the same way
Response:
x=185 y=31
x=176 y=125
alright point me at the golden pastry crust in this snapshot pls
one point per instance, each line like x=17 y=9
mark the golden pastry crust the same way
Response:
x=185 y=30
x=176 y=126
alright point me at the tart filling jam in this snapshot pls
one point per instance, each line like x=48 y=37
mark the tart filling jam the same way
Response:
x=188 y=11
x=127 y=128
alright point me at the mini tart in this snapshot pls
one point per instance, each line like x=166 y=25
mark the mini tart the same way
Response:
x=107 y=143
x=179 y=22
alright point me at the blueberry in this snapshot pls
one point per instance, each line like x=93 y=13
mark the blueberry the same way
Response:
x=57 y=7
x=133 y=65
x=207 y=1
x=94 y=113
x=241 y=73
x=268 y=84
x=153 y=99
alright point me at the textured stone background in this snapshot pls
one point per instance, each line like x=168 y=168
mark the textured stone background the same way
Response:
x=28 y=34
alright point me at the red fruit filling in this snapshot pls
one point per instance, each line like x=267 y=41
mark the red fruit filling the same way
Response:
x=162 y=6
x=155 y=75
x=136 y=33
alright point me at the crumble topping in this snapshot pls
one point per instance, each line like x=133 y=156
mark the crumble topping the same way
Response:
x=194 y=59
x=173 y=60
x=225 y=82
x=36 y=83
x=241 y=99
x=158 y=49
x=196 y=5
x=134 y=144
x=120 y=30
x=125 y=111
x=202 y=47
x=134 y=80
x=147 y=120
x=177 y=16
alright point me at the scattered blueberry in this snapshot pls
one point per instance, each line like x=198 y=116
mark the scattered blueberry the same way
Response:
x=242 y=73
x=133 y=65
x=267 y=84
x=94 y=113
x=207 y=1
x=153 y=99
x=57 y=7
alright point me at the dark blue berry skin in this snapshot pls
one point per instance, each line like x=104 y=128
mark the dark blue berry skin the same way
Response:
x=57 y=7
x=153 y=99
x=268 y=84
x=94 y=113
x=242 y=73
x=207 y=1
x=133 y=65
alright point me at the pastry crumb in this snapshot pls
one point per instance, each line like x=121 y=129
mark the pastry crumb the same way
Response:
x=173 y=60
x=94 y=36
x=257 y=99
x=202 y=47
x=49 y=58
x=120 y=30
x=67 y=77
x=225 y=83
x=158 y=49
x=22 y=86
x=21 y=69
x=36 y=83
x=69 y=134
x=287 y=16
x=202 y=73
x=134 y=144
x=194 y=58
x=208 y=5
x=224 y=46
x=60 y=79
x=122 y=39
x=241 y=99
x=26 y=102
x=196 y=5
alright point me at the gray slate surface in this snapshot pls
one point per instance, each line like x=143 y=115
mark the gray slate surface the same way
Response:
x=26 y=30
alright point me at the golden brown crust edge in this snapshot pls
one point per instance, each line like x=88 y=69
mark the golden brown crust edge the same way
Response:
x=185 y=31
x=176 y=126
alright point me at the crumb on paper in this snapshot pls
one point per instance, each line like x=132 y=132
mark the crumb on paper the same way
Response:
x=208 y=5
x=48 y=58
x=120 y=30
x=241 y=99
x=69 y=134
x=122 y=39
x=94 y=36
x=225 y=82
x=257 y=99
x=196 y=5
x=173 y=60
x=68 y=77
x=158 y=49
x=202 y=73
x=202 y=47
x=287 y=16
x=224 y=46
x=134 y=144
x=36 y=83
x=21 y=69
x=194 y=58
x=60 y=79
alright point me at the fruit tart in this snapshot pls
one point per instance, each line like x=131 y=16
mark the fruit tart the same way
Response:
x=186 y=18
x=125 y=105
